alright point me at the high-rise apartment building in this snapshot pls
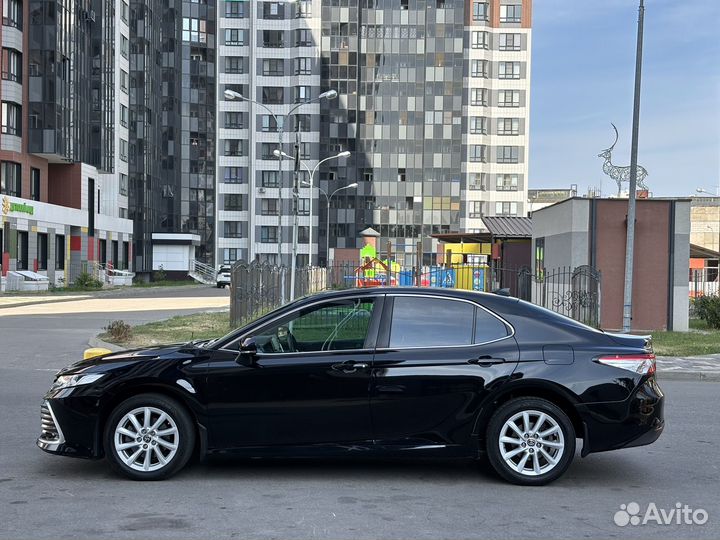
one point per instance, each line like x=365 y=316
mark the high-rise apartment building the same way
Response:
x=433 y=104
x=60 y=203
x=171 y=139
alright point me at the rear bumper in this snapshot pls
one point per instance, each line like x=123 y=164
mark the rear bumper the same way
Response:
x=637 y=421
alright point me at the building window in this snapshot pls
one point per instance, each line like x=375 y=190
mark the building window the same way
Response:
x=124 y=11
x=273 y=67
x=302 y=122
x=232 y=229
x=233 y=202
x=478 y=153
x=506 y=182
x=123 y=150
x=123 y=115
x=234 y=64
x=303 y=66
x=11 y=119
x=272 y=95
x=124 y=81
x=479 y=97
x=270 y=124
x=478 y=125
x=22 y=250
x=303 y=38
x=509 y=98
x=267 y=151
x=234 y=120
x=235 y=9
x=124 y=46
x=234 y=175
x=123 y=184
x=12 y=13
x=479 y=68
x=303 y=9
x=480 y=11
x=11 y=178
x=302 y=94
x=510 y=42
x=34 y=184
x=234 y=147
x=303 y=235
x=511 y=13
x=59 y=252
x=230 y=255
x=269 y=179
x=476 y=181
x=475 y=210
x=509 y=70
x=42 y=251
x=273 y=39
x=11 y=65
x=506 y=208
x=195 y=30
x=508 y=154
x=269 y=207
x=273 y=10
x=235 y=37
x=304 y=150
x=268 y=235
x=508 y=126
x=304 y=207
x=480 y=39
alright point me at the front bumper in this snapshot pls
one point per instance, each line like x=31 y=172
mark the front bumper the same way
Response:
x=636 y=421
x=69 y=425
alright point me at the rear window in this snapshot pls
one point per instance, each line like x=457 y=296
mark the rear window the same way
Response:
x=431 y=322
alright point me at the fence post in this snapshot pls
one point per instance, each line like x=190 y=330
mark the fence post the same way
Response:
x=418 y=264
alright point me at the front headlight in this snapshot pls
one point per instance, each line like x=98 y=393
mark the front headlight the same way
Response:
x=66 y=381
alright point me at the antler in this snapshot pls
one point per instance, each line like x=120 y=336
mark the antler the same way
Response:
x=617 y=136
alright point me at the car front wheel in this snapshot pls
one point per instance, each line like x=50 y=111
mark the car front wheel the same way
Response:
x=530 y=441
x=149 y=437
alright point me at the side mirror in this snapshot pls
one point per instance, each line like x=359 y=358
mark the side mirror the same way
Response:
x=248 y=352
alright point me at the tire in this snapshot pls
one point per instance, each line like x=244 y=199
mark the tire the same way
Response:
x=170 y=438
x=536 y=460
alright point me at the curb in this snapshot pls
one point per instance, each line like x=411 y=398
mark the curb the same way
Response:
x=97 y=342
x=704 y=376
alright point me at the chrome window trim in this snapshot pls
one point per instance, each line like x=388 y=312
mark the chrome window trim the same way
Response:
x=442 y=297
x=349 y=296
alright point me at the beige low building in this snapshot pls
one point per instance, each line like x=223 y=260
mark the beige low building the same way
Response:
x=705 y=222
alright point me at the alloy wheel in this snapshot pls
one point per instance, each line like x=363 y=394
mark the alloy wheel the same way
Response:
x=146 y=439
x=531 y=442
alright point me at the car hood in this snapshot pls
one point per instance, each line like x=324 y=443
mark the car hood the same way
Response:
x=109 y=361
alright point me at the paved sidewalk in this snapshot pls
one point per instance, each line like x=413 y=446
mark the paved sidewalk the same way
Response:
x=13 y=300
x=691 y=367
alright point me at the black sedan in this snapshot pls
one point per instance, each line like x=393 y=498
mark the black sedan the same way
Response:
x=399 y=371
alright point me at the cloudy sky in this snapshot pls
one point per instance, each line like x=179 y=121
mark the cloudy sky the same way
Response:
x=583 y=77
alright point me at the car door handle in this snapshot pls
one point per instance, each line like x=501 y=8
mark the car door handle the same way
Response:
x=486 y=360
x=350 y=366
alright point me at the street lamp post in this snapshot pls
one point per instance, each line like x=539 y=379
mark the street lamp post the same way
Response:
x=328 y=198
x=328 y=94
x=311 y=185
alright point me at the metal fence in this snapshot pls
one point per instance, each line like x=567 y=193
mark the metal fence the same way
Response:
x=704 y=282
x=257 y=288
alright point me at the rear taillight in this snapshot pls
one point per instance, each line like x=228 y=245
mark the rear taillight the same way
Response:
x=642 y=364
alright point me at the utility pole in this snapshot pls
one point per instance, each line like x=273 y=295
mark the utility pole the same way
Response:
x=296 y=197
x=630 y=243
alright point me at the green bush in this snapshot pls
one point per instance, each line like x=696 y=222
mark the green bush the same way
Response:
x=160 y=274
x=119 y=330
x=86 y=281
x=707 y=308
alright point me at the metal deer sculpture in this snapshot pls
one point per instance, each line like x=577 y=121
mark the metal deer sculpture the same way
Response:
x=621 y=174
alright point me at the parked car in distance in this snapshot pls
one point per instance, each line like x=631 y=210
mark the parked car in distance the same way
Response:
x=223 y=276
x=382 y=371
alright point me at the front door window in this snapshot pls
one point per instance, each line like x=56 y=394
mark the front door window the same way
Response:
x=333 y=326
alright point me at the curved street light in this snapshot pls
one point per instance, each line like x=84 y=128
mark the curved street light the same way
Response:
x=311 y=185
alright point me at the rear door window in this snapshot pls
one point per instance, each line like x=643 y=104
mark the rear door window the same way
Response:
x=488 y=327
x=431 y=322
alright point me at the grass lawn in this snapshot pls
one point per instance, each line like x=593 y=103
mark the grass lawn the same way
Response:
x=176 y=330
x=692 y=343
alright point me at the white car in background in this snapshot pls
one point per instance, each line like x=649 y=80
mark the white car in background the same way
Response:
x=223 y=276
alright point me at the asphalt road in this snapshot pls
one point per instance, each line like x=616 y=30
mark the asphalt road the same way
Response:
x=44 y=496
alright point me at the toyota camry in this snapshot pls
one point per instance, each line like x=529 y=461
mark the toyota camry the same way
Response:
x=398 y=371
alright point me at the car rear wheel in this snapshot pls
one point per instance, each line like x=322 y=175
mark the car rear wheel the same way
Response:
x=149 y=437
x=530 y=441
